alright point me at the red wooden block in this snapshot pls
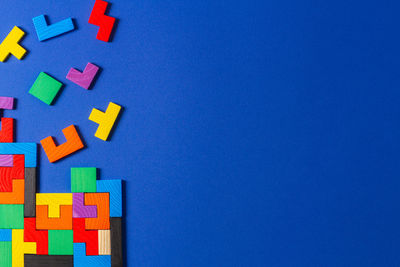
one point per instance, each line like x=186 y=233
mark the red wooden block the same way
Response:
x=90 y=237
x=7 y=130
x=38 y=236
x=9 y=173
x=106 y=23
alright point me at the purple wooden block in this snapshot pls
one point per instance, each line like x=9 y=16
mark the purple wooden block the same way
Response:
x=85 y=78
x=6 y=102
x=6 y=160
x=79 y=210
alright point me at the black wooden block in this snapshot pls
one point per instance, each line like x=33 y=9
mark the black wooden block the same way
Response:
x=116 y=242
x=49 y=260
x=30 y=192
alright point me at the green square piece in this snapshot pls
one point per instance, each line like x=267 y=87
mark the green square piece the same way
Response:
x=5 y=254
x=83 y=180
x=45 y=88
x=61 y=242
x=11 y=216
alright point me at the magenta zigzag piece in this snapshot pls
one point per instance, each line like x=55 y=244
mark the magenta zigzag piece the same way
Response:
x=6 y=102
x=85 y=78
x=6 y=160
x=79 y=210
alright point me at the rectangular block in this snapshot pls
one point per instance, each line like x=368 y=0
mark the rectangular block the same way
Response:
x=114 y=187
x=5 y=235
x=6 y=102
x=5 y=254
x=29 y=150
x=83 y=180
x=116 y=242
x=11 y=216
x=30 y=192
x=49 y=261
x=104 y=242
x=61 y=242
x=45 y=88
x=6 y=160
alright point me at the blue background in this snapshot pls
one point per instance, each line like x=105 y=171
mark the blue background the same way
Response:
x=254 y=133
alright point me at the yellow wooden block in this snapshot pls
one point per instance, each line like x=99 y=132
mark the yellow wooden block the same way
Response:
x=19 y=247
x=10 y=45
x=54 y=200
x=104 y=242
x=105 y=120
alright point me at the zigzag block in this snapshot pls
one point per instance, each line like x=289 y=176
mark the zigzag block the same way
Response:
x=43 y=222
x=27 y=149
x=85 y=78
x=114 y=187
x=105 y=120
x=19 y=247
x=79 y=208
x=82 y=260
x=7 y=174
x=10 y=45
x=7 y=130
x=40 y=237
x=6 y=102
x=89 y=237
x=54 y=201
x=102 y=201
x=16 y=196
x=106 y=23
x=45 y=31
x=73 y=143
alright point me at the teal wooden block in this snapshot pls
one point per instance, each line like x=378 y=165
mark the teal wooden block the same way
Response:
x=45 y=88
x=46 y=31
x=114 y=187
x=29 y=150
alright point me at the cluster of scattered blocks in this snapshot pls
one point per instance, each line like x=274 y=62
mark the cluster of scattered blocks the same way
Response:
x=80 y=228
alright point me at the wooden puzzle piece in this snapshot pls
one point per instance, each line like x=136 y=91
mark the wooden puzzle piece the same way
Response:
x=102 y=201
x=73 y=143
x=89 y=237
x=27 y=149
x=61 y=242
x=116 y=242
x=6 y=160
x=98 y=18
x=30 y=192
x=5 y=235
x=79 y=208
x=85 y=78
x=49 y=260
x=40 y=237
x=105 y=120
x=54 y=201
x=114 y=187
x=19 y=248
x=14 y=218
x=83 y=180
x=10 y=45
x=16 y=196
x=7 y=174
x=82 y=260
x=6 y=102
x=104 y=242
x=7 y=130
x=6 y=254
x=45 y=31
x=45 y=88
x=43 y=222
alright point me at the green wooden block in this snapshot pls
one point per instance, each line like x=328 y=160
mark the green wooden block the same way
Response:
x=83 y=180
x=61 y=242
x=5 y=254
x=45 y=88
x=11 y=216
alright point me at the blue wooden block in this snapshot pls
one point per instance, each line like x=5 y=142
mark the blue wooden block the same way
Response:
x=45 y=31
x=114 y=187
x=5 y=235
x=81 y=260
x=27 y=149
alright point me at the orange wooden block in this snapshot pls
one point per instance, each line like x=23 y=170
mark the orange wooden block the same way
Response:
x=73 y=143
x=17 y=196
x=7 y=130
x=43 y=222
x=102 y=201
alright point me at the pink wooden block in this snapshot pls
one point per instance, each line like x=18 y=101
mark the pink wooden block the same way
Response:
x=79 y=210
x=6 y=102
x=6 y=160
x=85 y=78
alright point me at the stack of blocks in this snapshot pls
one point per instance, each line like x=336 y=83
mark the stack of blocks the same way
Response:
x=80 y=228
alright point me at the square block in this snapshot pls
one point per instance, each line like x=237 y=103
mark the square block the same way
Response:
x=5 y=254
x=45 y=88
x=61 y=242
x=5 y=234
x=11 y=216
x=83 y=180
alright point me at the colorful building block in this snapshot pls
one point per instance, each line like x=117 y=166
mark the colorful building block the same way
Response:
x=114 y=187
x=40 y=237
x=105 y=120
x=73 y=143
x=102 y=201
x=83 y=79
x=116 y=242
x=49 y=260
x=79 y=210
x=45 y=31
x=43 y=222
x=19 y=247
x=98 y=18
x=82 y=260
x=83 y=180
x=6 y=254
x=104 y=242
x=45 y=88
x=12 y=216
x=89 y=237
x=54 y=201
x=7 y=130
x=10 y=45
x=7 y=174
x=6 y=102
x=61 y=242
x=16 y=196
x=5 y=235
x=29 y=150
x=6 y=160
x=30 y=192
